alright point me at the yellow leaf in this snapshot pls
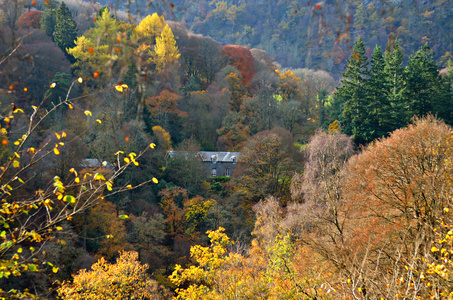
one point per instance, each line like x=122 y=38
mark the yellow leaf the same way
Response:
x=99 y=121
x=55 y=269
x=59 y=228
x=129 y=186
x=57 y=135
x=32 y=150
x=77 y=180
x=155 y=180
x=56 y=151
x=119 y=88
x=80 y=80
x=53 y=85
x=434 y=249
x=70 y=106
x=152 y=145
x=88 y=113
x=19 y=250
x=16 y=164
x=34 y=107
x=127 y=160
x=63 y=134
x=18 y=110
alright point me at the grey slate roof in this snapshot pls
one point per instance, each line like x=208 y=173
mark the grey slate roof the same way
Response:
x=207 y=156
x=220 y=156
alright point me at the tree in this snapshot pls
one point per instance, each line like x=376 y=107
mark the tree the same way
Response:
x=150 y=28
x=29 y=20
x=186 y=169
x=165 y=52
x=105 y=232
x=397 y=194
x=164 y=108
x=267 y=162
x=102 y=53
x=352 y=94
x=65 y=28
x=31 y=215
x=395 y=86
x=126 y=279
x=423 y=88
x=48 y=18
x=241 y=58
x=379 y=107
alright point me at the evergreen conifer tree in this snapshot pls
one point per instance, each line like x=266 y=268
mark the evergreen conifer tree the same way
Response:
x=423 y=89
x=353 y=94
x=379 y=108
x=395 y=86
x=65 y=28
x=48 y=18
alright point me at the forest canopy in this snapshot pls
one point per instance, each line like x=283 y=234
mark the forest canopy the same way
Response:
x=335 y=118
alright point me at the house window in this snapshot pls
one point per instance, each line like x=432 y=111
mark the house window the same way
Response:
x=227 y=172
x=214 y=159
x=214 y=172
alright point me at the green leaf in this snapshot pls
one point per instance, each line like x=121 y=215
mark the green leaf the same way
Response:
x=69 y=198
x=33 y=267
x=124 y=217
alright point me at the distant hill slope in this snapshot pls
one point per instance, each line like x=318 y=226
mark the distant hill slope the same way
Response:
x=313 y=34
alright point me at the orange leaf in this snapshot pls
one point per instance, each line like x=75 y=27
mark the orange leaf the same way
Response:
x=91 y=50
x=96 y=74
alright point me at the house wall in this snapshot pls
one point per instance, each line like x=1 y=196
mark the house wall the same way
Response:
x=222 y=168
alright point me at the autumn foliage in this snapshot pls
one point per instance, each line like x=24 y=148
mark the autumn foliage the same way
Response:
x=126 y=279
x=29 y=20
x=241 y=58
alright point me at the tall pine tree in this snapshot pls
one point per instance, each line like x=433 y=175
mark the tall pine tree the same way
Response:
x=65 y=29
x=353 y=95
x=379 y=109
x=424 y=86
x=395 y=86
x=48 y=18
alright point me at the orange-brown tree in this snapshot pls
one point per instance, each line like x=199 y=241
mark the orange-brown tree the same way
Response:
x=395 y=195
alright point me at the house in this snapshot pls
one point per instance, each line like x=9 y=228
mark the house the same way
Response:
x=216 y=163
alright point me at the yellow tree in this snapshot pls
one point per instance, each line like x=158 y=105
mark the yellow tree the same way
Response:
x=165 y=52
x=31 y=216
x=150 y=28
x=126 y=279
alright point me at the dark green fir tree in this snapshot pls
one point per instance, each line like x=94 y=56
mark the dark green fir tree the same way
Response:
x=379 y=109
x=353 y=95
x=65 y=29
x=424 y=88
x=49 y=18
x=394 y=89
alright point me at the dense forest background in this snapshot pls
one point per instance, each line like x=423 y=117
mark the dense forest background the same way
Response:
x=341 y=111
